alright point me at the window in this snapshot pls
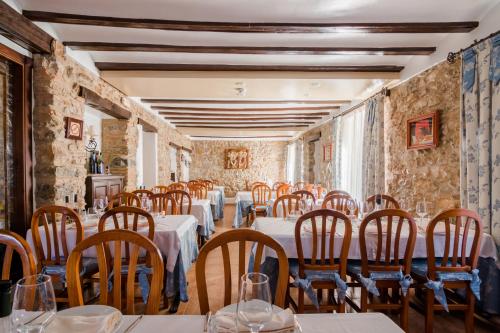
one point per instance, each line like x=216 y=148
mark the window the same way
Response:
x=350 y=153
x=290 y=162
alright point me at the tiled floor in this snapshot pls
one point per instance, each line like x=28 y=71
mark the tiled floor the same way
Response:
x=443 y=322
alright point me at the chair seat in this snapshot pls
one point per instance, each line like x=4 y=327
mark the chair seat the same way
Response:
x=260 y=207
x=354 y=269
x=89 y=267
x=293 y=266
x=419 y=268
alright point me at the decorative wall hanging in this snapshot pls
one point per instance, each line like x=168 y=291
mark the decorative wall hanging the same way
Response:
x=327 y=152
x=423 y=132
x=74 y=128
x=236 y=158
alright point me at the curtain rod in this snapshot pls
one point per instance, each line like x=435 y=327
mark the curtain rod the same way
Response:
x=452 y=56
x=383 y=92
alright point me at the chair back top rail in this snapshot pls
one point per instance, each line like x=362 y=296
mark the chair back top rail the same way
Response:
x=323 y=226
x=304 y=194
x=124 y=199
x=240 y=237
x=283 y=189
x=386 y=201
x=198 y=191
x=53 y=218
x=385 y=220
x=340 y=202
x=107 y=264
x=163 y=202
x=287 y=203
x=456 y=241
x=142 y=192
x=15 y=243
x=183 y=201
x=261 y=194
x=176 y=186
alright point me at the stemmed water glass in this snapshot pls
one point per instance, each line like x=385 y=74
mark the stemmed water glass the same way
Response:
x=421 y=211
x=34 y=304
x=254 y=307
x=99 y=206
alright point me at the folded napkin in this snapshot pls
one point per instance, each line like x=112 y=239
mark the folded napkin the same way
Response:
x=282 y=320
x=91 y=323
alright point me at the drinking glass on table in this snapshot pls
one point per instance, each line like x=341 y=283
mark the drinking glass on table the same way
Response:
x=421 y=211
x=34 y=304
x=254 y=307
x=221 y=323
x=99 y=206
x=351 y=207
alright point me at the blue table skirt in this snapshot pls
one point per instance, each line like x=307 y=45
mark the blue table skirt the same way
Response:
x=218 y=209
x=242 y=209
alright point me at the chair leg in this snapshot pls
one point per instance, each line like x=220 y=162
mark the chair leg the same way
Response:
x=469 y=313
x=364 y=299
x=429 y=310
x=405 y=306
x=301 y=301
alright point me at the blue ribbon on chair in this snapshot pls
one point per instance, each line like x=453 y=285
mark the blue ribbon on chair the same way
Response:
x=438 y=286
x=142 y=272
x=370 y=283
x=306 y=285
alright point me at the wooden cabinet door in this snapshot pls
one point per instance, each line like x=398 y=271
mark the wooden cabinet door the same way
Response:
x=100 y=190
x=115 y=188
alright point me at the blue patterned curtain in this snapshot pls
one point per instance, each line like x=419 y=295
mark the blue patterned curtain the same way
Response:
x=373 y=177
x=480 y=156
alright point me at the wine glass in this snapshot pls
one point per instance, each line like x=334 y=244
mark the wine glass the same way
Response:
x=254 y=308
x=351 y=207
x=34 y=304
x=378 y=202
x=421 y=211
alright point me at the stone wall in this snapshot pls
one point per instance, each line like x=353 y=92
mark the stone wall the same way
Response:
x=60 y=163
x=267 y=161
x=430 y=174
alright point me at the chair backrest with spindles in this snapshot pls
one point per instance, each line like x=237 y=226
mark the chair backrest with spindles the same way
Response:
x=340 y=202
x=141 y=193
x=102 y=242
x=182 y=201
x=124 y=199
x=255 y=184
x=303 y=194
x=15 y=243
x=261 y=194
x=287 y=203
x=163 y=202
x=176 y=186
x=380 y=225
x=459 y=255
x=338 y=192
x=208 y=184
x=160 y=189
x=198 y=191
x=386 y=201
x=276 y=185
x=53 y=219
x=283 y=189
x=299 y=186
x=322 y=225
x=240 y=236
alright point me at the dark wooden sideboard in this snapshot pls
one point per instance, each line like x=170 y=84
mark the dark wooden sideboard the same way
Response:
x=100 y=186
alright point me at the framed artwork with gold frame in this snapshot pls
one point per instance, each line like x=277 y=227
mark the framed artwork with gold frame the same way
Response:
x=74 y=128
x=236 y=158
x=423 y=132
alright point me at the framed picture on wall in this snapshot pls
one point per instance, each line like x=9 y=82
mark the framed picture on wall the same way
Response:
x=74 y=128
x=236 y=158
x=423 y=132
x=327 y=152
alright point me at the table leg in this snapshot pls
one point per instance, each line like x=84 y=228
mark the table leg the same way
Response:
x=175 y=303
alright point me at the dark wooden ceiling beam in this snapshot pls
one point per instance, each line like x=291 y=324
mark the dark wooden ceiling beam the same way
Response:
x=290 y=123
x=127 y=66
x=243 y=127
x=261 y=109
x=229 y=101
x=103 y=104
x=247 y=115
x=22 y=31
x=249 y=27
x=133 y=47
x=242 y=137
x=243 y=118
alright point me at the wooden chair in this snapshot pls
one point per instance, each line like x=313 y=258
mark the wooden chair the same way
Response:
x=261 y=194
x=299 y=186
x=136 y=243
x=456 y=226
x=240 y=236
x=338 y=192
x=303 y=194
x=193 y=182
x=323 y=262
x=286 y=203
x=386 y=201
x=54 y=221
x=182 y=201
x=340 y=202
x=198 y=191
x=141 y=193
x=393 y=264
x=127 y=218
x=176 y=186
x=184 y=183
x=276 y=185
x=283 y=189
x=160 y=189
x=162 y=202
x=124 y=199
x=252 y=185
x=208 y=184
x=14 y=242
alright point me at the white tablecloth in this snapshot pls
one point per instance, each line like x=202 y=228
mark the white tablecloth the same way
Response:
x=284 y=233
x=200 y=208
x=242 y=201
x=310 y=323
x=169 y=231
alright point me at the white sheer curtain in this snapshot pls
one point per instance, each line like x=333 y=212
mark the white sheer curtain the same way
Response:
x=290 y=162
x=350 y=152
